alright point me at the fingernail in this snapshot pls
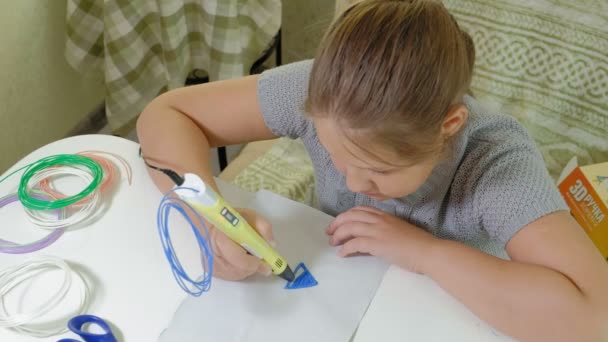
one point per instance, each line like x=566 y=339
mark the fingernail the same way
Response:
x=268 y=271
x=273 y=243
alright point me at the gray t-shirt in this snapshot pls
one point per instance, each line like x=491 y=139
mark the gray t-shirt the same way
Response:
x=493 y=183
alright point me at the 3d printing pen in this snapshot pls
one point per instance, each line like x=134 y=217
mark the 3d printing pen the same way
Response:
x=219 y=213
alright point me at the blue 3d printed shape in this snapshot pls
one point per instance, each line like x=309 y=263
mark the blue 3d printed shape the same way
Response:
x=303 y=278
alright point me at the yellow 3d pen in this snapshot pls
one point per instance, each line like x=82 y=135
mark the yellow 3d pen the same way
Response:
x=219 y=213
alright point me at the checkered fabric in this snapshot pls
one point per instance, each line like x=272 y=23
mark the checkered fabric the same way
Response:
x=144 y=47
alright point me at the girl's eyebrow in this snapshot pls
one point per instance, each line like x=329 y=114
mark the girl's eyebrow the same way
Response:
x=386 y=167
x=384 y=170
x=379 y=168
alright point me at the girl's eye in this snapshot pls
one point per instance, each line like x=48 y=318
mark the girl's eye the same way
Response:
x=381 y=172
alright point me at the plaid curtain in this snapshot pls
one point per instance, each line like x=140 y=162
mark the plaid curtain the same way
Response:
x=143 y=47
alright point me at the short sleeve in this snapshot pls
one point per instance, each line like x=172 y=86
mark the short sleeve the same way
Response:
x=282 y=92
x=513 y=189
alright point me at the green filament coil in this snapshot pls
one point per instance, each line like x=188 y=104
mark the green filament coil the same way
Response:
x=69 y=160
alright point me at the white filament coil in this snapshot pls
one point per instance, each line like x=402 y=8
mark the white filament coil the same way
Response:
x=21 y=322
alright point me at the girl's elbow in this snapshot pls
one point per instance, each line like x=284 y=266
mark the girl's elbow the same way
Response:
x=149 y=121
x=143 y=122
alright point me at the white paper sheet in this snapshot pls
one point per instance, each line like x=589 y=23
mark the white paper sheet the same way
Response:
x=412 y=307
x=260 y=309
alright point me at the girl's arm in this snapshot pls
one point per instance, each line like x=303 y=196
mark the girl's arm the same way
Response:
x=555 y=288
x=178 y=128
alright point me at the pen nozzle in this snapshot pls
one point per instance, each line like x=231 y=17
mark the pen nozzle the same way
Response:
x=287 y=274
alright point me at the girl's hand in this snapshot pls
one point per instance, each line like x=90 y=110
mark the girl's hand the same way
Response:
x=372 y=231
x=231 y=261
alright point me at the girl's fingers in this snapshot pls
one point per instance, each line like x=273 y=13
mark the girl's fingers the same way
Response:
x=349 y=231
x=258 y=223
x=368 y=209
x=224 y=270
x=353 y=215
x=359 y=245
x=236 y=257
x=264 y=269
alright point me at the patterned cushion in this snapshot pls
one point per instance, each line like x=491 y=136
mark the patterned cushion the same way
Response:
x=285 y=169
x=546 y=63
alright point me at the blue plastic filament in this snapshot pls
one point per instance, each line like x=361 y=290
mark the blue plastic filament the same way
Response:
x=303 y=279
x=191 y=286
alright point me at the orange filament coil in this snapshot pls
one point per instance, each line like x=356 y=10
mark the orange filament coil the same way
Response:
x=109 y=174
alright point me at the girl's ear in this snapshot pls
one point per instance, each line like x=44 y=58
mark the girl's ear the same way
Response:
x=454 y=121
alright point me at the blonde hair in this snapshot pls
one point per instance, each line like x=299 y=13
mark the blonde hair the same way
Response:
x=391 y=70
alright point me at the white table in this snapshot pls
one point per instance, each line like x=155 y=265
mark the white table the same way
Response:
x=132 y=285
x=135 y=291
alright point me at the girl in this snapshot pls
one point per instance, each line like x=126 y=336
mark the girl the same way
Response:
x=412 y=166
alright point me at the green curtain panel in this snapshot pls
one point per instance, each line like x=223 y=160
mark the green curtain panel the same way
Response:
x=143 y=47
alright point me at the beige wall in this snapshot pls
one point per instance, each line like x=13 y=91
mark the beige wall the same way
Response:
x=342 y=5
x=41 y=97
x=304 y=23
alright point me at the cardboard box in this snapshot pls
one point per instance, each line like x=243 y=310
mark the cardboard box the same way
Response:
x=585 y=189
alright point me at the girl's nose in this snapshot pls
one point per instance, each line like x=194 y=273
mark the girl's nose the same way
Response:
x=357 y=181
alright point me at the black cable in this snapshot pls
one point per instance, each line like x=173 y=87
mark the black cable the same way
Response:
x=175 y=177
x=222 y=156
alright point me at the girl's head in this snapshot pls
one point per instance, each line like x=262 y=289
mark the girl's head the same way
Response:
x=386 y=92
